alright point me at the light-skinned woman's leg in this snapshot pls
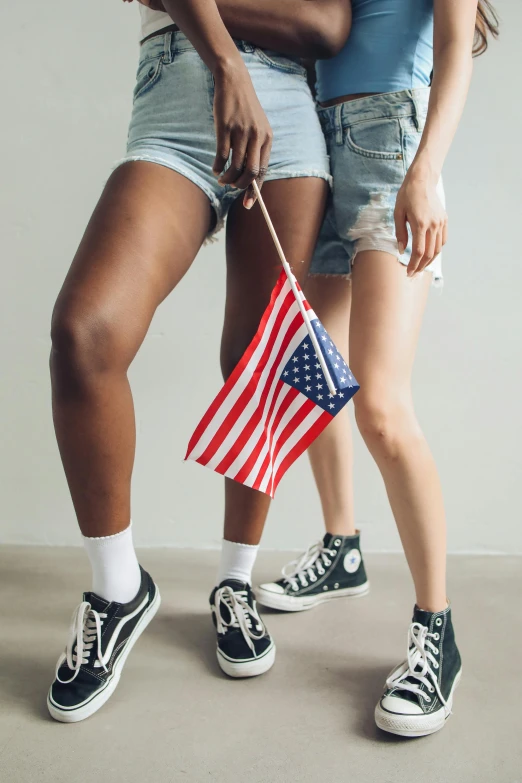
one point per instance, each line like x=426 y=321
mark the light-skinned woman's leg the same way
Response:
x=331 y=454
x=387 y=311
x=375 y=321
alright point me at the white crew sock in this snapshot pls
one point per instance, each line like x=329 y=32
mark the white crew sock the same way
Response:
x=237 y=561
x=115 y=569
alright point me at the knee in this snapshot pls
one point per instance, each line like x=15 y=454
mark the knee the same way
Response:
x=84 y=344
x=386 y=425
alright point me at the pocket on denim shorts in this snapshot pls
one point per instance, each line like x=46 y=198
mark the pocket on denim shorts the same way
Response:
x=280 y=62
x=149 y=71
x=379 y=138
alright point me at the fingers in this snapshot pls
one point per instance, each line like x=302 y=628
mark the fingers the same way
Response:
x=439 y=241
x=251 y=165
x=427 y=244
x=249 y=198
x=224 y=144
x=234 y=171
x=418 y=230
x=431 y=244
x=249 y=162
x=401 y=229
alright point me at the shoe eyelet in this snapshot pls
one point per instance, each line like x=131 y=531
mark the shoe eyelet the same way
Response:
x=337 y=542
x=325 y=587
x=336 y=585
x=438 y=621
x=428 y=699
x=334 y=551
x=436 y=651
x=436 y=665
x=436 y=636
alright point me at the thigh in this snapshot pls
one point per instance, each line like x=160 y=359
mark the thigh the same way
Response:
x=143 y=236
x=296 y=207
x=387 y=311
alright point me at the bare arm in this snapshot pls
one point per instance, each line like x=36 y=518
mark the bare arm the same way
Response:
x=313 y=29
x=417 y=202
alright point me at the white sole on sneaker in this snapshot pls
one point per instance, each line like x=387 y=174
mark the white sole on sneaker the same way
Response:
x=249 y=668
x=92 y=706
x=416 y=725
x=291 y=603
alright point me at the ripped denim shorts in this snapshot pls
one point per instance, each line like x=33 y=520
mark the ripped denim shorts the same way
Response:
x=371 y=142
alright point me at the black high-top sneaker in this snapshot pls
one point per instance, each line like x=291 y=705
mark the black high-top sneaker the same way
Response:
x=101 y=636
x=419 y=693
x=332 y=568
x=244 y=646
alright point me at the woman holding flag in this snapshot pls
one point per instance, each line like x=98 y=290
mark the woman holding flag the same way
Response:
x=201 y=101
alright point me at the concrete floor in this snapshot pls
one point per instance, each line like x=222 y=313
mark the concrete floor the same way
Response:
x=175 y=718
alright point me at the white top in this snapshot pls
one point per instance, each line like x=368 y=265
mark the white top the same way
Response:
x=152 y=21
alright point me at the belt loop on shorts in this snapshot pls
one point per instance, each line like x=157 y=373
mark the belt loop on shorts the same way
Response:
x=167 y=48
x=415 y=111
x=338 y=123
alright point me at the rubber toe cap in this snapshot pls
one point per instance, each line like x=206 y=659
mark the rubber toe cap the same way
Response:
x=400 y=706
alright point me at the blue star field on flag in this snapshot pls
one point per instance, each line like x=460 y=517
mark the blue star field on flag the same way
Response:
x=304 y=372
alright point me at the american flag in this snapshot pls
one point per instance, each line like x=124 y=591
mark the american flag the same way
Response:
x=276 y=402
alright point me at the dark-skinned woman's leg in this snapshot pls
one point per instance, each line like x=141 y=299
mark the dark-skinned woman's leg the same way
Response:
x=296 y=207
x=143 y=236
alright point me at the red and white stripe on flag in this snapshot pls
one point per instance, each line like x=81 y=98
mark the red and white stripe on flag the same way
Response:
x=276 y=401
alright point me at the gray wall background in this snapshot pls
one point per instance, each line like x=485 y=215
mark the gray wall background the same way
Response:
x=68 y=73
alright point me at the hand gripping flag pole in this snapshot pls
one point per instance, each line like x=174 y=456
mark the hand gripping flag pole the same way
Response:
x=286 y=266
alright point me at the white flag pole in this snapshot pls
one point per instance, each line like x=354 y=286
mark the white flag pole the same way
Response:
x=291 y=280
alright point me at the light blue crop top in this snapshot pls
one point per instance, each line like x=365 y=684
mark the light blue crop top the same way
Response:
x=390 y=48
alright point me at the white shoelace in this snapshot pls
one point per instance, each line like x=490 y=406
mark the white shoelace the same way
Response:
x=241 y=614
x=300 y=572
x=419 y=665
x=84 y=632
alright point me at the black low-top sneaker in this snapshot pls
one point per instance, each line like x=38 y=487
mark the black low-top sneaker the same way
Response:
x=244 y=646
x=418 y=698
x=101 y=636
x=332 y=568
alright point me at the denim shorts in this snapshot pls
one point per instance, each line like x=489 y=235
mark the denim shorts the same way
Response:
x=172 y=120
x=371 y=142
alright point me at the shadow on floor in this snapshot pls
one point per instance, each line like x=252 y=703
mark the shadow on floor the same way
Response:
x=358 y=685
x=188 y=631
x=24 y=684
